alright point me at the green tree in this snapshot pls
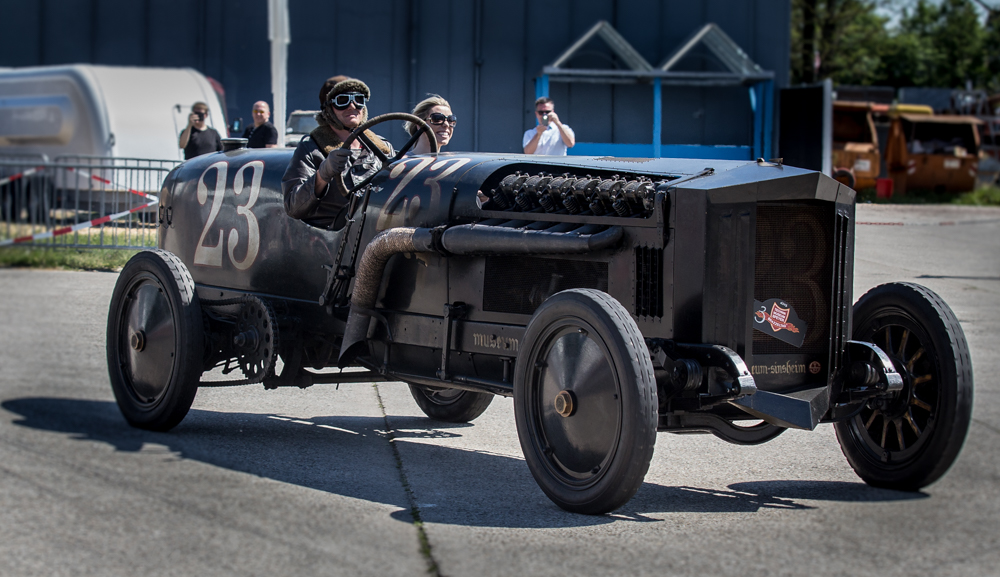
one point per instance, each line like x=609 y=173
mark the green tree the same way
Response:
x=833 y=38
x=855 y=56
x=958 y=38
x=991 y=46
x=909 y=56
x=941 y=45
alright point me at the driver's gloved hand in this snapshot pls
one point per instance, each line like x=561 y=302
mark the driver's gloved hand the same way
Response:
x=335 y=163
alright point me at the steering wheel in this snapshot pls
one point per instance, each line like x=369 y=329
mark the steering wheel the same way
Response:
x=359 y=134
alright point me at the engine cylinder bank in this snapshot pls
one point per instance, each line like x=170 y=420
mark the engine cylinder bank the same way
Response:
x=613 y=196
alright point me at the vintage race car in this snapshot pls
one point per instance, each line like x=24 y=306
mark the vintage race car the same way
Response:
x=611 y=297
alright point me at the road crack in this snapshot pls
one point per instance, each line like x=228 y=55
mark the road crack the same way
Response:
x=418 y=524
x=987 y=425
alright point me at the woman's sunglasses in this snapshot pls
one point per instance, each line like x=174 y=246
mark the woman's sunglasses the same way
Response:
x=342 y=101
x=438 y=119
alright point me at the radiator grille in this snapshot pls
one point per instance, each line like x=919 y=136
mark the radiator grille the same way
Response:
x=648 y=282
x=794 y=262
x=842 y=291
x=520 y=285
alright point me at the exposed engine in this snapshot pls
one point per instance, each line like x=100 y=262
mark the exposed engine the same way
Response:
x=614 y=196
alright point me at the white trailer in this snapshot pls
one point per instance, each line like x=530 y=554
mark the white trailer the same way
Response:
x=105 y=111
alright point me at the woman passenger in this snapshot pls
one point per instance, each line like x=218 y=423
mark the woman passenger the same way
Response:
x=435 y=111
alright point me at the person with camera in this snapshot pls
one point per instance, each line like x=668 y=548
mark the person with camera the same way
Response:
x=262 y=134
x=320 y=156
x=550 y=136
x=198 y=138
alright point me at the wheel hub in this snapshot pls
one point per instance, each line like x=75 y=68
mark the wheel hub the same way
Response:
x=247 y=340
x=138 y=341
x=565 y=403
x=896 y=405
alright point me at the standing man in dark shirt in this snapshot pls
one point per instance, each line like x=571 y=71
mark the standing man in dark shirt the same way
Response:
x=198 y=138
x=262 y=134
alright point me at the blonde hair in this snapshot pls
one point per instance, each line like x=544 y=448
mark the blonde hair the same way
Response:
x=423 y=109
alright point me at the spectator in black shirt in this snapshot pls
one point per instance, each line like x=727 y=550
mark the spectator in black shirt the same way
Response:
x=198 y=138
x=262 y=134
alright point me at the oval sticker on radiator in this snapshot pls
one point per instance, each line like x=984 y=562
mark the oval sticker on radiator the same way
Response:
x=778 y=319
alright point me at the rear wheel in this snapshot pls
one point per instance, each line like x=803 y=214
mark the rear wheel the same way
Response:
x=909 y=439
x=450 y=405
x=154 y=341
x=585 y=401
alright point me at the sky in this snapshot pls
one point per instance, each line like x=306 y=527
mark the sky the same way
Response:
x=894 y=8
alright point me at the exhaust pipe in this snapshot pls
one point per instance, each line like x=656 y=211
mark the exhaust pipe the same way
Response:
x=368 y=280
x=467 y=239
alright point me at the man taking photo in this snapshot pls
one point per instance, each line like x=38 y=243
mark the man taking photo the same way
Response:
x=551 y=136
x=198 y=138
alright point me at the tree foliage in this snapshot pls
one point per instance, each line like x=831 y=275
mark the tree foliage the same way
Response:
x=854 y=42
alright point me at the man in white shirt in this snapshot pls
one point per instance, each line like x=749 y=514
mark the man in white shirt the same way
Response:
x=551 y=136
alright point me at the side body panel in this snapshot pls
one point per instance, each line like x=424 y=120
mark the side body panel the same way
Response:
x=224 y=215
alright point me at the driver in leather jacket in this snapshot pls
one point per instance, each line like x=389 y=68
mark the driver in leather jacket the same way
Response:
x=306 y=185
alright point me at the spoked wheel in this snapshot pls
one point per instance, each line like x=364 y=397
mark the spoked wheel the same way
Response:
x=450 y=405
x=585 y=401
x=909 y=439
x=154 y=341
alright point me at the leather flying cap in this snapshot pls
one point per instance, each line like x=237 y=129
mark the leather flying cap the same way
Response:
x=338 y=85
x=328 y=86
x=349 y=85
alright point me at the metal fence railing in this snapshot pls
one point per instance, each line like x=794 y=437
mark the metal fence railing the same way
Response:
x=80 y=201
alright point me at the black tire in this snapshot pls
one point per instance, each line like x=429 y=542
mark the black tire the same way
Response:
x=155 y=341
x=582 y=346
x=450 y=405
x=909 y=440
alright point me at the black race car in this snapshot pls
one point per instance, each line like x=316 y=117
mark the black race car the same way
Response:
x=611 y=297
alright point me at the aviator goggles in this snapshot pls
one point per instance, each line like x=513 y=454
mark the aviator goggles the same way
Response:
x=342 y=101
x=438 y=119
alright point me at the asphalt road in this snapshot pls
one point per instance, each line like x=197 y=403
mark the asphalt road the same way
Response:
x=326 y=481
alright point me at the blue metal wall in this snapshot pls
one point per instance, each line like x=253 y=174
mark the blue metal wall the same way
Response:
x=482 y=55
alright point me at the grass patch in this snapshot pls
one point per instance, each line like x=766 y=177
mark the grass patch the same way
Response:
x=101 y=259
x=983 y=196
x=986 y=196
x=54 y=253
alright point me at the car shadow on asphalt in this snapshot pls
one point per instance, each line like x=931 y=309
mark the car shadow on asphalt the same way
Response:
x=751 y=497
x=958 y=277
x=351 y=456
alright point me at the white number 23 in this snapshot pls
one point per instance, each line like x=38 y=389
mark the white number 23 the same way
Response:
x=211 y=255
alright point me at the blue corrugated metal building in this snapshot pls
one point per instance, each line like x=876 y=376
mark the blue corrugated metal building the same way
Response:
x=484 y=56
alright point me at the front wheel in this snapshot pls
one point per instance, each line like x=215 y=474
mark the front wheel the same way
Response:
x=908 y=440
x=585 y=401
x=154 y=341
x=450 y=405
